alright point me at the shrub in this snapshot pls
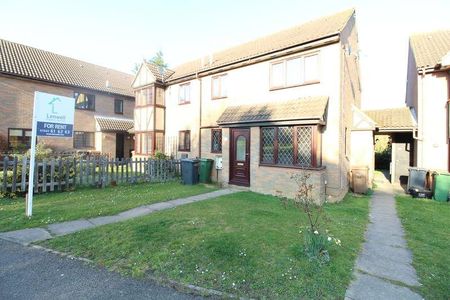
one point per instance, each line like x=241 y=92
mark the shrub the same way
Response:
x=160 y=155
x=316 y=240
x=43 y=151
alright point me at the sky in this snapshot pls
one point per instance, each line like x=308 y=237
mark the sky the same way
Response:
x=117 y=34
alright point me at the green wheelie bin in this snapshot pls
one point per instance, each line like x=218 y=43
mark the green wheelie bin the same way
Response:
x=205 y=170
x=441 y=186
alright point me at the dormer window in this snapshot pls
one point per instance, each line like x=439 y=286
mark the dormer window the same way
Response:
x=294 y=71
x=84 y=101
x=184 y=94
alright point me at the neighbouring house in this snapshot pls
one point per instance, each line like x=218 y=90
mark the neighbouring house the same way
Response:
x=428 y=93
x=104 y=100
x=401 y=126
x=269 y=108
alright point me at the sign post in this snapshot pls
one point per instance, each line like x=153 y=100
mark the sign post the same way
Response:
x=53 y=116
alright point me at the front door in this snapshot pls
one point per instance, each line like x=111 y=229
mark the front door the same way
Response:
x=240 y=156
x=120 y=141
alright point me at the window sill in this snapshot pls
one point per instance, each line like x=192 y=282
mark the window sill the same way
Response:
x=88 y=109
x=183 y=103
x=141 y=106
x=184 y=150
x=292 y=167
x=216 y=152
x=292 y=86
x=219 y=98
x=118 y=113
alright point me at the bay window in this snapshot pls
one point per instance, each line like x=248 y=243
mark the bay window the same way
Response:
x=294 y=146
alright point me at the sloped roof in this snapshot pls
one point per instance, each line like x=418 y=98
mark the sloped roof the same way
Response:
x=393 y=118
x=301 y=34
x=429 y=48
x=160 y=75
x=308 y=108
x=25 y=61
x=114 y=124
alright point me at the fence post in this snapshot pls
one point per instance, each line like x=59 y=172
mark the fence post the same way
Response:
x=14 y=178
x=44 y=176
x=60 y=174
x=52 y=175
x=24 y=173
x=5 y=175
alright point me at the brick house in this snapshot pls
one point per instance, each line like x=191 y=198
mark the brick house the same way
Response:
x=428 y=93
x=269 y=108
x=104 y=100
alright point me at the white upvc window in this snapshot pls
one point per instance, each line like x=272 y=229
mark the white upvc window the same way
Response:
x=295 y=71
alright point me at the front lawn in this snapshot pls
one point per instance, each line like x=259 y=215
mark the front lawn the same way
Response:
x=244 y=243
x=89 y=202
x=427 y=226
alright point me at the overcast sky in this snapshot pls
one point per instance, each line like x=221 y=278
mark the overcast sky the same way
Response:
x=117 y=34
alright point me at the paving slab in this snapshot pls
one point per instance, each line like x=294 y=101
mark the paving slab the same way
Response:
x=64 y=228
x=26 y=236
x=106 y=220
x=135 y=212
x=384 y=266
x=367 y=287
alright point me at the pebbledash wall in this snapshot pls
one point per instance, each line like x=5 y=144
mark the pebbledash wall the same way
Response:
x=339 y=80
x=16 y=111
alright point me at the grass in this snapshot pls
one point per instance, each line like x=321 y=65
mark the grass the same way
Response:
x=427 y=226
x=244 y=243
x=89 y=202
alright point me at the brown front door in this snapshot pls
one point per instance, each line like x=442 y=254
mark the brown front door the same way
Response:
x=240 y=156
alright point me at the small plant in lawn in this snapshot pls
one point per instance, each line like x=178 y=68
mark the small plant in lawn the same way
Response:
x=316 y=240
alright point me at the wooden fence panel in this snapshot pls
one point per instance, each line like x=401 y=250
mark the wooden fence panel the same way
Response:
x=68 y=173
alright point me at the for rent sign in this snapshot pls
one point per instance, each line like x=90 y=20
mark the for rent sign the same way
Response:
x=54 y=115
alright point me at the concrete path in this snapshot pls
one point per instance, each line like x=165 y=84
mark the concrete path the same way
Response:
x=30 y=235
x=30 y=273
x=384 y=267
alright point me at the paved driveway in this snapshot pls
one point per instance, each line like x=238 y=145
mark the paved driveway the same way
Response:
x=29 y=273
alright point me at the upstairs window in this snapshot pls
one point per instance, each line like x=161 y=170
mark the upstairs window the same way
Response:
x=84 y=101
x=83 y=140
x=184 y=94
x=295 y=71
x=184 y=140
x=219 y=86
x=216 y=140
x=144 y=97
x=118 y=106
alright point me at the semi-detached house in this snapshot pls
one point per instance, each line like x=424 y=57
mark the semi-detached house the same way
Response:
x=269 y=108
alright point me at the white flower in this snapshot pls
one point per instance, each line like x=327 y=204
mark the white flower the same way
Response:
x=316 y=232
x=329 y=239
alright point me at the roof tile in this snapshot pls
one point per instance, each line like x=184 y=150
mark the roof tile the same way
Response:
x=308 y=108
x=429 y=48
x=301 y=34
x=392 y=118
x=21 y=60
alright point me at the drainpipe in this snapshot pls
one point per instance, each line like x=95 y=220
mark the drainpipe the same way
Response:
x=200 y=117
x=419 y=135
